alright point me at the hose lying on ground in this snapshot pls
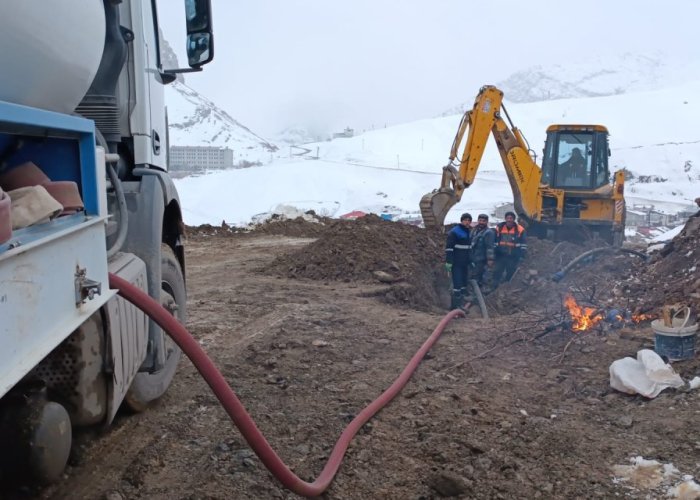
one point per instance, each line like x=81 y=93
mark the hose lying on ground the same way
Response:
x=559 y=275
x=480 y=299
x=240 y=416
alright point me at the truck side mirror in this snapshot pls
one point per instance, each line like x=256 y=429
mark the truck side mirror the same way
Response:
x=200 y=38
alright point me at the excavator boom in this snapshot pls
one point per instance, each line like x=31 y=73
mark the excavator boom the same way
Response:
x=478 y=124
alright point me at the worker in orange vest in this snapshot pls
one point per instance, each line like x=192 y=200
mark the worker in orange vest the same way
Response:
x=511 y=248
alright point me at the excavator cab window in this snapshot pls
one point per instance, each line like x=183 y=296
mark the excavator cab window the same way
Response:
x=575 y=159
x=602 y=151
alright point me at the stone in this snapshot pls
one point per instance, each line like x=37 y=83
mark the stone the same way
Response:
x=448 y=484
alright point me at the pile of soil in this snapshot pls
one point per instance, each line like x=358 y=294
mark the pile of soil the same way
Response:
x=276 y=225
x=407 y=259
x=673 y=275
x=298 y=227
x=406 y=263
x=533 y=290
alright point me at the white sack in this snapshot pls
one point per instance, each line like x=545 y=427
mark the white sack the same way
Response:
x=647 y=375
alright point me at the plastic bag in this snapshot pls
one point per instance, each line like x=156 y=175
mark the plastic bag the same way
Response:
x=647 y=375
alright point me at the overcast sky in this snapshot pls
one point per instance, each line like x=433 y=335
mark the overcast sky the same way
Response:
x=327 y=64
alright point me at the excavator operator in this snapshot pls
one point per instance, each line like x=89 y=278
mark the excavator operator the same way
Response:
x=573 y=170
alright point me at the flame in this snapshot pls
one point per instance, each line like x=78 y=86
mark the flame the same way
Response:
x=638 y=318
x=584 y=318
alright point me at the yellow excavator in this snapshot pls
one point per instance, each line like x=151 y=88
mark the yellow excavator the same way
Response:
x=570 y=197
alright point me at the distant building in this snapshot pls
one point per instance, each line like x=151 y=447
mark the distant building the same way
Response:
x=635 y=218
x=348 y=132
x=500 y=211
x=200 y=157
x=647 y=215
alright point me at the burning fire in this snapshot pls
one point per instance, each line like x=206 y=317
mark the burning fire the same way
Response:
x=584 y=318
x=638 y=318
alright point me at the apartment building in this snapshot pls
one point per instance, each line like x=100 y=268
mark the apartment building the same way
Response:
x=200 y=157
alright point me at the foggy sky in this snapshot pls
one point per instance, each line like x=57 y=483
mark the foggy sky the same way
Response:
x=327 y=64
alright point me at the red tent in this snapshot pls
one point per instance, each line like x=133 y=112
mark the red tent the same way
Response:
x=355 y=214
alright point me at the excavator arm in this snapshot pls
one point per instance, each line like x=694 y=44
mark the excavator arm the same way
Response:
x=523 y=173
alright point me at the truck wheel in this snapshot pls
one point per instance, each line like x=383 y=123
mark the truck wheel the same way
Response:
x=36 y=436
x=147 y=387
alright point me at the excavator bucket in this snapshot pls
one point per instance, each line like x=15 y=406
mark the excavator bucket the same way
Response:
x=434 y=207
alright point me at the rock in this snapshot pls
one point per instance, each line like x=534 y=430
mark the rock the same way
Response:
x=448 y=484
x=302 y=449
x=113 y=495
x=319 y=343
x=386 y=277
x=625 y=421
x=483 y=463
x=243 y=454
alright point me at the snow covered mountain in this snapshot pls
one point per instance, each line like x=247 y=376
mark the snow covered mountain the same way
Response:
x=299 y=134
x=595 y=77
x=197 y=121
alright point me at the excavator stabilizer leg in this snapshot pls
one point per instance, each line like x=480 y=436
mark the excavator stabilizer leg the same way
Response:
x=434 y=207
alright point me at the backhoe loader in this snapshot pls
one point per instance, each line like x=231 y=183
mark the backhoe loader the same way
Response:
x=570 y=197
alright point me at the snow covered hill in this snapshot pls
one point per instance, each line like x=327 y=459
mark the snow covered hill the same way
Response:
x=653 y=134
x=599 y=76
x=197 y=121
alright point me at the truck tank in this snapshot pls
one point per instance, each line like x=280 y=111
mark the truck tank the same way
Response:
x=50 y=51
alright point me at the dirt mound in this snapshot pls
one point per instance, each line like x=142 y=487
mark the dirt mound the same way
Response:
x=299 y=227
x=673 y=275
x=532 y=287
x=276 y=225
x=405 y=258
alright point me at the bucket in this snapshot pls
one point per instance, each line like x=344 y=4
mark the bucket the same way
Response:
x=675 y=342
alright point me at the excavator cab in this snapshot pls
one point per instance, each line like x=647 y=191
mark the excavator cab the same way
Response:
x=576 y=157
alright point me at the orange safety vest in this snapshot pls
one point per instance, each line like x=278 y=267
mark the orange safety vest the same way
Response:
x=509 y=239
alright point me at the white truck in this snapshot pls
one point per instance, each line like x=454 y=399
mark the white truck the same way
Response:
x=82 y=99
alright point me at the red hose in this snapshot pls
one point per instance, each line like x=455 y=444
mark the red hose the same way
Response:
x=240 y=416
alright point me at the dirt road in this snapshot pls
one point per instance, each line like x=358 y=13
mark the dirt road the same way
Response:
x=491 y=413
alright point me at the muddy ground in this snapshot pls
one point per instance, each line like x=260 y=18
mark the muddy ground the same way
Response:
x=307 y=333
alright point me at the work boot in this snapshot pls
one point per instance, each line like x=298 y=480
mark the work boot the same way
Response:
x=457 y=301
x=467 y=296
